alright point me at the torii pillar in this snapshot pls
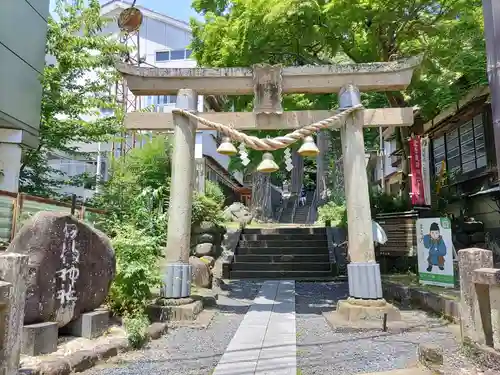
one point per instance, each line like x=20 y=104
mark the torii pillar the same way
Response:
x=267 y=83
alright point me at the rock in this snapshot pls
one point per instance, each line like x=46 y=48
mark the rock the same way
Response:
x=208 y=227
x=200 y=273
x=238 y=212
x=71 y=267
x=203 y=249
x=208 y=260
x=205 y=238
x=430 y=355
x=57 y=366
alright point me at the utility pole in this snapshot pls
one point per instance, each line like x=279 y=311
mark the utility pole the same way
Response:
x=491 y=14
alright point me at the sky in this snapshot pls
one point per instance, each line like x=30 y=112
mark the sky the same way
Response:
x=180 y=9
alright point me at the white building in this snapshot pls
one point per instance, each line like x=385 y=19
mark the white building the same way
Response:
x=162 y=41
x=22 y=54
x=385 y=168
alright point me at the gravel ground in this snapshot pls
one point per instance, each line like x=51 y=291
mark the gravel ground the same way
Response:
x=323 y=350
x=188 y=351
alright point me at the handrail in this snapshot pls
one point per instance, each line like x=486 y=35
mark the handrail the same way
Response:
x=296 y=200
x=312 y=206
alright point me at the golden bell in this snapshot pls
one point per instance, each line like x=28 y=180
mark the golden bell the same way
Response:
x=308 y=148
x=226 y=147
x=267 y=165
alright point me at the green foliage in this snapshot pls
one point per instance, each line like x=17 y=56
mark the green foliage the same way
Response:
x=448 y=34
x=214 y=192
x=75 y=86
x=206 y=209
x=137 y=270
x=382 y=202
x=333 y=212
x=137 y=329
x=138 y=189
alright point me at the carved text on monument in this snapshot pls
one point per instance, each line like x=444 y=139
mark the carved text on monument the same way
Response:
x=70 y=257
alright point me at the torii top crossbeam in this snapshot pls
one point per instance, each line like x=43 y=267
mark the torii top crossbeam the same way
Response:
x=268 y=83
x=320 y=79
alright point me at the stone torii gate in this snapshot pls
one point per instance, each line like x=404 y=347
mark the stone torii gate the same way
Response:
x=267 y=84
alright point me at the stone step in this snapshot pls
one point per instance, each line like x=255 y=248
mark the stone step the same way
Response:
x=286 y=230
x=282 y=258
x=283 y=237
x=284 y=243
x=283 y=275
x=322 y=250
x=302 y=266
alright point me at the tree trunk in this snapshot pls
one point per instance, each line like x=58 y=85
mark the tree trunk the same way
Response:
x=297 y=172
x=335 y=169
x=402 y=134
x=261 y=207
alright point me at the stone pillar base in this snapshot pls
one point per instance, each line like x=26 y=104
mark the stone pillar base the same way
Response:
x=364 y=280
x=354 y=310
x=177 y=280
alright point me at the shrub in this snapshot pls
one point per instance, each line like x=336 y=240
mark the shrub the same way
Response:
x=136 y=326
x=333 y=212
x=206 y=209
x=137 y=271
x=214 y=191
x=382 y=202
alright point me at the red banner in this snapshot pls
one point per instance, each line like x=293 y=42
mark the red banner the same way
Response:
x=417 y=185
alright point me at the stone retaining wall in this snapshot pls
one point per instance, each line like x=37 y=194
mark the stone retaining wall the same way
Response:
x=425 y=300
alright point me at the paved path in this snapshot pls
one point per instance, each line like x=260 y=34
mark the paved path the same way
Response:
x=277 y=328
x=265 y=342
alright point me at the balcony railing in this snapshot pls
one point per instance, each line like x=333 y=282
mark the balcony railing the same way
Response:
x=396 y=160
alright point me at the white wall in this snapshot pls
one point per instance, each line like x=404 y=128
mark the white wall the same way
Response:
x=22 y=49
x=390 y=147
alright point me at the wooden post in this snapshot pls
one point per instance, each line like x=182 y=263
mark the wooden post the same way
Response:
x=16 y=213
x=177 y=276
x=73 y=204
x=363 y=271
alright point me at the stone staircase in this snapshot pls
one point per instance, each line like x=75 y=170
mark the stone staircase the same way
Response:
x=282 y=253
x=287 y=213
x=302 y=212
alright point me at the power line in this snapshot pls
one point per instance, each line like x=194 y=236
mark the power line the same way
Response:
x=36 y=11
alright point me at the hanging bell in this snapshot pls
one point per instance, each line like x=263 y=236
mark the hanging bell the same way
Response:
x=308 y=148
x=227 y=148
x=267 y=165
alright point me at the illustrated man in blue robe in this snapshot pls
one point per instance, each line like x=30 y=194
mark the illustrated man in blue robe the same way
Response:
x=437 y=249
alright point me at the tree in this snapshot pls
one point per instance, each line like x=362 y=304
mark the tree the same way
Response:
x=448 y=33
x=76 y=84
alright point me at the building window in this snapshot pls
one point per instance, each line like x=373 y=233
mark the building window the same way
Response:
x=462 y=149
x=178 y=54
x=163 y=56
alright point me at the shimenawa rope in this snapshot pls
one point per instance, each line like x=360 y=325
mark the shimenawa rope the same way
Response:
x=270 y=144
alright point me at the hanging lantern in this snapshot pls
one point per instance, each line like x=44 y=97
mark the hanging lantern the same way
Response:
x=308 y=148
x=227 y=148
x=267 y=165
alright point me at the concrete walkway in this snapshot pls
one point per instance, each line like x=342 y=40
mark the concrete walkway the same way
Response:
x=265 y=342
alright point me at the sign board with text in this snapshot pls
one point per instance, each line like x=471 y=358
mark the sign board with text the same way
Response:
x=435 y=252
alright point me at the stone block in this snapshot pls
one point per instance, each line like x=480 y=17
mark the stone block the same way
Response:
x=39 y=338
x=353 y=312
x=89 y=325
x=186 y=312
x=495 y=314
x=474 y=299
x=486 y=276
x=13 y=270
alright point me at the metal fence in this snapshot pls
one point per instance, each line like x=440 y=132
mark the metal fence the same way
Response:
x=15 y=209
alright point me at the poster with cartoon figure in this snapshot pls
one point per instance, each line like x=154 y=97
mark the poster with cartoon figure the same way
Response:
x=435 y=252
